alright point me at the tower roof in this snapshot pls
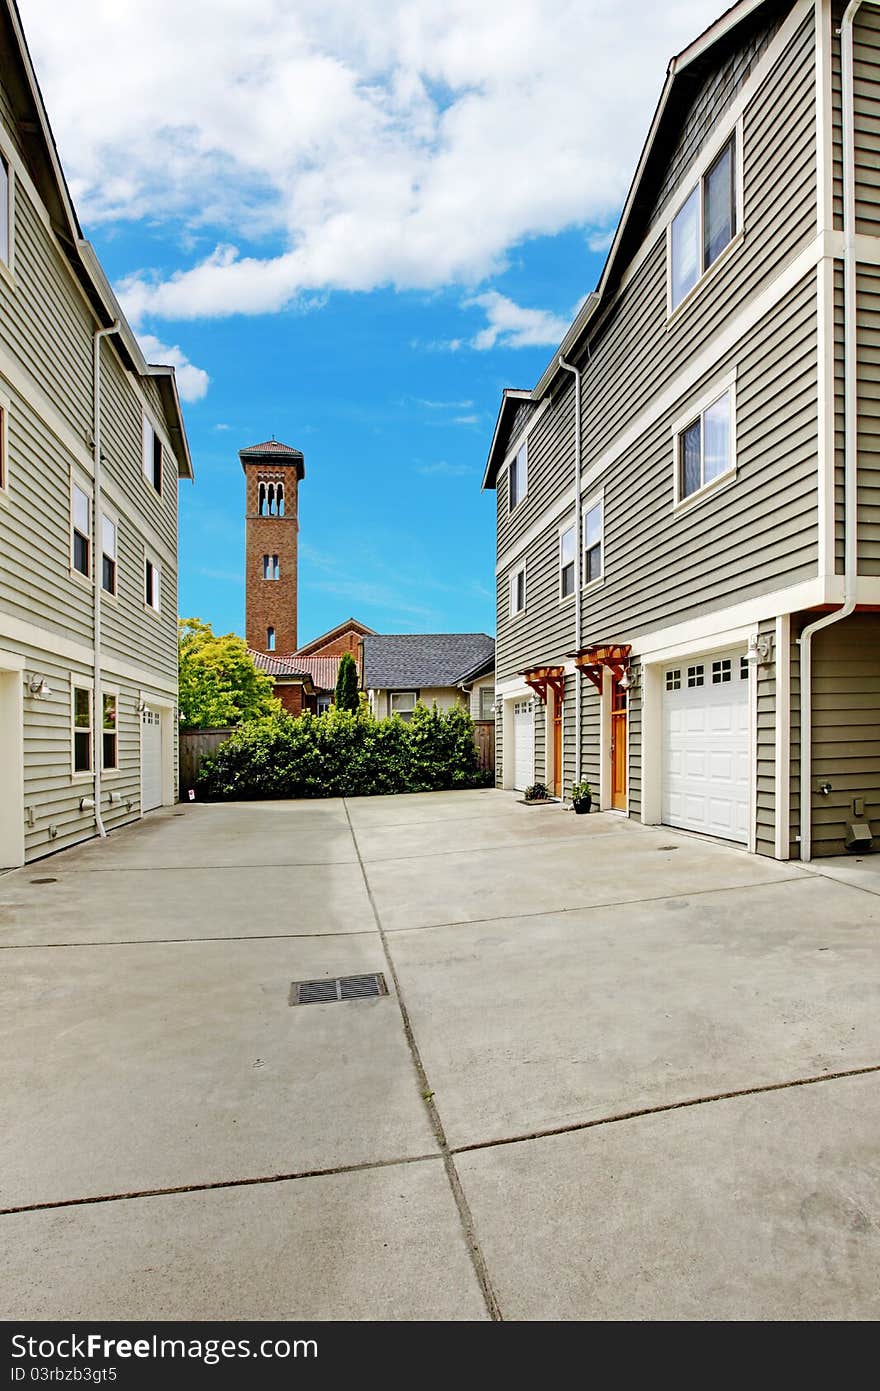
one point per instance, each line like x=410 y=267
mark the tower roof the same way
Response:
x=277 y=452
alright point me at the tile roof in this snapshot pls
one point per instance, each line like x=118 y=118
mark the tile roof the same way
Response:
x=321 y=670
x=272 y=447
x=414 y=661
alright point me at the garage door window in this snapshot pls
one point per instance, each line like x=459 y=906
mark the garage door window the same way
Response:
x=673 y=680
x=695 y=676
x=721 y=671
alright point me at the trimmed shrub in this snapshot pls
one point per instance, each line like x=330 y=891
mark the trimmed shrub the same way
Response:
x=344 y=754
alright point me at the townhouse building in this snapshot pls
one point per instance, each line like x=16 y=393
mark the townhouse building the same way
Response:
x=688 y=501
x=92 y=444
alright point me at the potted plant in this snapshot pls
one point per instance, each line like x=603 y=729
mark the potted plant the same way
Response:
x=581 y=797
x=538 y=792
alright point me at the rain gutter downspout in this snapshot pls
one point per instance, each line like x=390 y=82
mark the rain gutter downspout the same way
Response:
x=850 y=464
x=97 y=577
x=578 y=551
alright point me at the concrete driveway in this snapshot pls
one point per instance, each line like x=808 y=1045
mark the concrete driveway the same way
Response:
x=619 y=1073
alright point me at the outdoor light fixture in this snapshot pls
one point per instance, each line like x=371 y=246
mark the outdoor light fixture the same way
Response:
x=39 y=686
x=758 y=651
x=629 y=681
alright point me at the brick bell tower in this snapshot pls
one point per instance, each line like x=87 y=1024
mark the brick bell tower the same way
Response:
x=273 y=472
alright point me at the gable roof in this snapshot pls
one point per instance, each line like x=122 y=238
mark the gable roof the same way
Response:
x=316 y=673
x=276 y=451
x=40 y=154
x=351 y=625
x=414 y=661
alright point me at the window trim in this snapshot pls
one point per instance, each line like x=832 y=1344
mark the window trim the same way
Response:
x=486 y=690
x=569 y=526
x=7 y=268
x=110 y=516
x=149 y=476
x=512 y=578
x=521 y=453
x=405 y=715
x=721 y=387
x=596 y=500
x=695 y=180
x=79 y=683
x=5 y=411
x=149 y=559
x=79 y=480
x=117 y=770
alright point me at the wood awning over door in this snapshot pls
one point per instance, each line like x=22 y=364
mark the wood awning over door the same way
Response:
x=593 y=660
x=544 y=679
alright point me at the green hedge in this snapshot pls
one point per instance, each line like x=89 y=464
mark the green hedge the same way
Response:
x=344 y=754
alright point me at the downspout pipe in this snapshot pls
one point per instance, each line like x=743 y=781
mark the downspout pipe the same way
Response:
x=97 y=578
x=850 y=455
x=578 y=561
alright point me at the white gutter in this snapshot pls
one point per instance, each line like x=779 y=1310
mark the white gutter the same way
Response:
x=97 y=576
x=578 y=547
x=850 y=457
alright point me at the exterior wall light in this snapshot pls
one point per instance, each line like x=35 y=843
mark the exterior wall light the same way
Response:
x=39 y=687
x=758 y=651
x=629 y=681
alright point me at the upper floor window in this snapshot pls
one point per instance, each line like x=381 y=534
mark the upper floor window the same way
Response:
x=270 y=499
x=705 y=224
x=152 y=456
x=108 y=555
x=5 y=211
x=593 y=543
x=704 y=448
x=517 y=477
x=517 y=592
x=152 y=585
x=566 y=561
x=270 y=639
x=271 y=570
x=82 y=531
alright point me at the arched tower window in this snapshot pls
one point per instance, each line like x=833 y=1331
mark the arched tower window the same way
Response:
x=280 y=499
x=262 y=500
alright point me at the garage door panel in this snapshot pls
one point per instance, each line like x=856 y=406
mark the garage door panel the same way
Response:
x=706 y=750
x=151 y=759
x=523 y=744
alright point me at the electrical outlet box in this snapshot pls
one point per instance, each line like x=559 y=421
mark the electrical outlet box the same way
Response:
x=858 y=806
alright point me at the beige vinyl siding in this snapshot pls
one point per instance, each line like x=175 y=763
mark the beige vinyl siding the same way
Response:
x=868 y=320
x=36 y=583
x=44 y=321
x=765 y=750
x=634 y=732
x=485 y=683
x=636 y=351
x=757 y=534
x=845 y=738
x=546 y=630
x=866 y=74
x=10 y=124
x=122 y=435
x=550 y=466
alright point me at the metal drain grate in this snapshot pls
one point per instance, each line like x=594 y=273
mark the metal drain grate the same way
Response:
x=44 y=881
x=315 y=992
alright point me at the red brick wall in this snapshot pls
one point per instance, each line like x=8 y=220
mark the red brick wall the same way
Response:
x=291 y=697
x=271 y=603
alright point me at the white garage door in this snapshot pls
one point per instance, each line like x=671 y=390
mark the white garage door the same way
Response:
x=151 y=759
x=706 y=745
x=523 y=744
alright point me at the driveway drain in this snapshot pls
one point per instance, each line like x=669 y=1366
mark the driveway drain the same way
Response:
x=44 y=881
x=315 y=992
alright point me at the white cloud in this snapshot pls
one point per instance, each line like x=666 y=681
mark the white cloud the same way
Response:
x=443 y=469
x=192 y=381
x=509 y=325
x=302 y=146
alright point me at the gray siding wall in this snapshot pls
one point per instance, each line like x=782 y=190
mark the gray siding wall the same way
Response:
x=868 y=321
x=546 y=629
x=550 y=467
x=866 y=72
x=845 y=744
x=568 y=734
x=765 y=735
x=634 y=733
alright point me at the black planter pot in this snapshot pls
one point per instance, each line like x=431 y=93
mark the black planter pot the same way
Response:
x=581 y=808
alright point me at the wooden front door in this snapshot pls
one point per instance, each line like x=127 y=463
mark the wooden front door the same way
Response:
x=557 y=747
x=618 y=746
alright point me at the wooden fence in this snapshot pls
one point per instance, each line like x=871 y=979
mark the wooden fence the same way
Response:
x=196 y=744
x=484 y=738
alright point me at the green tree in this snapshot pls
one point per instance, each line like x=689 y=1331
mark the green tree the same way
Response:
x=346 y=696
x=219 y=683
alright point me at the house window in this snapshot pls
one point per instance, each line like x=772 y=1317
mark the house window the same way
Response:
x=271 y=569
x=704 y=448
x=152 y=456
x=108 y=555
x=403 y=703
x=152 y=587
x=5 y=209
x=109 y=736
x=695 y=676
x=517 y=592
x=566 y=562
x=673 y=680
x=593 y=543
x=705 y=224
x=487 y=703
x=270 y=639
x=82 y=729
x=517 y=477
x=82 y=531
x=721 y=672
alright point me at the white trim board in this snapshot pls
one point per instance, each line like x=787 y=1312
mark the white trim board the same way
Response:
x=53 y=644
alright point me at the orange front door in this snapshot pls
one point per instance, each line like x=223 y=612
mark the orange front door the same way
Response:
x=557 y=748
x=618 y=747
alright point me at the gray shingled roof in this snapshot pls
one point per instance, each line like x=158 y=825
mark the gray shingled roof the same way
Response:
x=414 y=661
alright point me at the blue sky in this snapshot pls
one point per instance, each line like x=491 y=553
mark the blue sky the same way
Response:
x=351 y=226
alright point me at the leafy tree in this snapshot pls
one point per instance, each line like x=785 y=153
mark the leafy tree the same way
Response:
x=219 y=683
x=347 y=696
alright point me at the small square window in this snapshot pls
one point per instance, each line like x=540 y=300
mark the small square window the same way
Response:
x=152 y=456
x=673 y=680
x=721 y=671
x=743 y=668
x=517 y=592
x=695 y=676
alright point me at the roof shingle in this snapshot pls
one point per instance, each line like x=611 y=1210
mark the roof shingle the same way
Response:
x=415 y=661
